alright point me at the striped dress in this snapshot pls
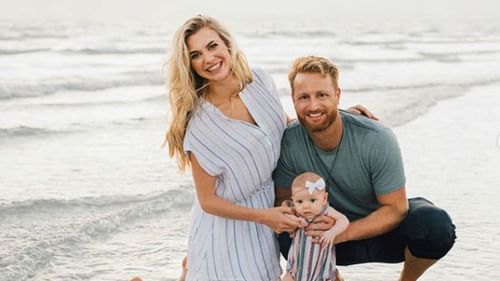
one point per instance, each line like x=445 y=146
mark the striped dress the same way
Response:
x=242 y=156
x=309 y=261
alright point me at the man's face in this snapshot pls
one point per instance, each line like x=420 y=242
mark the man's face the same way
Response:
x=316 y=100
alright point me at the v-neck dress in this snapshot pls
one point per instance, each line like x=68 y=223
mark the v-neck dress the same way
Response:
x=242 y=157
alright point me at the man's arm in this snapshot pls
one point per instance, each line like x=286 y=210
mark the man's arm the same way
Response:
x=393 y=209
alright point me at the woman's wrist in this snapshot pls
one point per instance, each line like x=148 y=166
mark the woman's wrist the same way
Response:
x=258 y=215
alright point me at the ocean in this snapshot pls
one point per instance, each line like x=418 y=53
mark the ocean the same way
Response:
x=88 y=192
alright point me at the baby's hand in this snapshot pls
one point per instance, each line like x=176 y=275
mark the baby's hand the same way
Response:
x=327 y=238
x=302 y=223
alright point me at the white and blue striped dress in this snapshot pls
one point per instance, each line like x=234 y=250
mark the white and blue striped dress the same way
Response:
x=242 y=156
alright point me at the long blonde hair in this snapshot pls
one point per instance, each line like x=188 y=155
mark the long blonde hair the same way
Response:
x=185 y=87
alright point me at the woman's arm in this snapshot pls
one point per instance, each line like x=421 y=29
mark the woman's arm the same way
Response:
x=211 y=203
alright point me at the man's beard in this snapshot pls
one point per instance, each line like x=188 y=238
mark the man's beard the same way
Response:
x=329 y=120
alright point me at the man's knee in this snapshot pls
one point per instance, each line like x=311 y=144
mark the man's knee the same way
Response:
x=431 y=232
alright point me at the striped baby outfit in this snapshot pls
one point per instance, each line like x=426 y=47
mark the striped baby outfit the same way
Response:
x=309 y=261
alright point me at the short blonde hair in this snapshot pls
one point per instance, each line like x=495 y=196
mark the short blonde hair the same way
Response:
x=314 y=64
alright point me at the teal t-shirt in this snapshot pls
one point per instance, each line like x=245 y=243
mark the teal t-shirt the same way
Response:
x=367 y=162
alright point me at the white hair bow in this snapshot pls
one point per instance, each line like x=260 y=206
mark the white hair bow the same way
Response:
x=319 y=184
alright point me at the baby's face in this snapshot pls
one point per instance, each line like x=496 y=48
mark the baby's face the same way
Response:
x=309 y=205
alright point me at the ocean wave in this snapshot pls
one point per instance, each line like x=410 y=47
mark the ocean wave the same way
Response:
x=80 y=84
x=87 y=51
x=33 y=258
x=74 y=104
x=371 y=88
x=10 y=134
x=113 y=51
x=463 y=84
x=24 y=131
x=423 y=40
x=21 y=36
x=292 y=34
x=376 y=60
x=453 y=41
x=102 y=201
x=367 y=42
x=23 y=51
x=458 y=53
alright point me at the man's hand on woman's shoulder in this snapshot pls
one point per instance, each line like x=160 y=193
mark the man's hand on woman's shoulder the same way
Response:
x=359 y=109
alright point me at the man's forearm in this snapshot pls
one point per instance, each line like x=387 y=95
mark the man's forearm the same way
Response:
x=382 y=220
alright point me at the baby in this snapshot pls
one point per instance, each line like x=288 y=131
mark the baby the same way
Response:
x=309 y=261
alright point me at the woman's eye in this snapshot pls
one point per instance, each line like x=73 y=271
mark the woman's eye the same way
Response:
x=212 y=46
x=195 y=56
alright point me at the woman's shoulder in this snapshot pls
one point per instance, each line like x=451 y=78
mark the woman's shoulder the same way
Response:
x=260 y=75
x=199 y=113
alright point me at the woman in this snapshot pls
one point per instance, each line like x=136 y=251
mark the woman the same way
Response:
x=227 y=125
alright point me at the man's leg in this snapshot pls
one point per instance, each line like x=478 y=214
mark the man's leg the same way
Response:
x=430 y=234
x=414 y=267
x=425 y=236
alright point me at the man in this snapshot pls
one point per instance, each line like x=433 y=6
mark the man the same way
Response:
x=361 y=163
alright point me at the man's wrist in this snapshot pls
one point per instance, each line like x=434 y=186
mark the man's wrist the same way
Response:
x=342 y=237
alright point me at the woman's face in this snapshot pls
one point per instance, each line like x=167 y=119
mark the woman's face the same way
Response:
x=209 y=55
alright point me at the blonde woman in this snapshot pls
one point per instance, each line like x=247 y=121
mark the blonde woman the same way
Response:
x=227 y=123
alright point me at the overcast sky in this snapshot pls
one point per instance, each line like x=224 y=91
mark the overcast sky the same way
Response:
x=234 y=10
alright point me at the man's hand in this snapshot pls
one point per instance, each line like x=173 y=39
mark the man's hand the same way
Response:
x=318 y=226
x=359 y=109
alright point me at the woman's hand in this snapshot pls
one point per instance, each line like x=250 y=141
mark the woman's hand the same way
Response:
x=359 y=109
x=280 y=219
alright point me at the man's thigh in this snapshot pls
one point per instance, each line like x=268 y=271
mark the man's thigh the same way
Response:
x=427 y=231
x=386 y=248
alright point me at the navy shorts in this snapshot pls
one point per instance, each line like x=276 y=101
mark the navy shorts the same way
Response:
x=427 y=231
